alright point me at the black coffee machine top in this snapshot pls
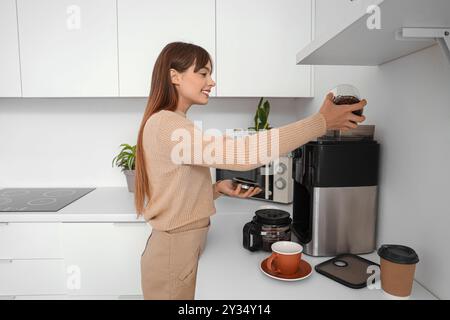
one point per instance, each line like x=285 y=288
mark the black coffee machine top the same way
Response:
x=267 y=226
x=337 y=163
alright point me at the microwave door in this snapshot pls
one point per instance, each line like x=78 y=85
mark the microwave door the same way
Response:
x=265 y=174
x=256 y=175
x=266 y=177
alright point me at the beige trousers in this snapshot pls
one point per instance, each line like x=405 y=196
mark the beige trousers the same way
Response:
x=169 y=263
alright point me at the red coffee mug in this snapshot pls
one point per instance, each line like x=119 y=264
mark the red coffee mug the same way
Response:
x=285 y=258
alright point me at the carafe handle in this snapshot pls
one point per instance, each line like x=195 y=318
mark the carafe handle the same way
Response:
x=252 y=231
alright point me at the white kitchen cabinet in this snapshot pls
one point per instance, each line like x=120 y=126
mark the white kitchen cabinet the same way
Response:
x=104 y=258
x=71 y=297
x=68 y=48
x=32 y=277
x=9 y=53
x=257 y=43
x=375 y=32
x=30 y=241
x=39 y=297
x=146 y=27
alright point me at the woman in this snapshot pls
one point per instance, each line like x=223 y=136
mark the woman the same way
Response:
x=177 y=185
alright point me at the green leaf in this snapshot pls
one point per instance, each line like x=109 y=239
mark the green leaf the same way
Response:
x=267 y=107
x=262 y=116
x=126 y=157
x=121 y=156
x=260 y=102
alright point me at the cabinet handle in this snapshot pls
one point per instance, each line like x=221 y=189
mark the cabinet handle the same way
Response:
x=126 y=224
x=6 y=260
x=130 y=297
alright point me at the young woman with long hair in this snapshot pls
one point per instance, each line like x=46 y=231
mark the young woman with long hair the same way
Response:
x=173 y=188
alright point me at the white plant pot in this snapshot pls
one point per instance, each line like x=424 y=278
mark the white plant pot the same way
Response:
x=129 y=174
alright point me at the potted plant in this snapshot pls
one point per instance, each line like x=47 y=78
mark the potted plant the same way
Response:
x=261 y=118
x=261 y=122
x=126 y=160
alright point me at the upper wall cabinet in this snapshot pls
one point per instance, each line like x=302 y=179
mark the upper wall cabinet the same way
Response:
x=336 y=14
x=9 y=53
x=68 y=48
x=146 y=27
x=257 y=43
x=375 y=32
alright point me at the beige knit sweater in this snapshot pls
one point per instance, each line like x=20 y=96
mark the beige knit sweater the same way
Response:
x=181 y=192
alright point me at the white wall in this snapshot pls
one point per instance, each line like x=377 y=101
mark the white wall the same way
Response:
x=71 y=142
x=409 y=102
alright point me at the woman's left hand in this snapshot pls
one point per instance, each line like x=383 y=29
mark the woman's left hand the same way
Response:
x=226 y=187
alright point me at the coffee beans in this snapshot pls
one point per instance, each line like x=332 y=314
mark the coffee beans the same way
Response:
x=340 y=100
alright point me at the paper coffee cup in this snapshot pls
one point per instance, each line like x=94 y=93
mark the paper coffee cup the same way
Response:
x=398 y=265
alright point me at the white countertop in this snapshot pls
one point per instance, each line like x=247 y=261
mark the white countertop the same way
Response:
x=116 y=204
x=228 y=271
x=104 y=204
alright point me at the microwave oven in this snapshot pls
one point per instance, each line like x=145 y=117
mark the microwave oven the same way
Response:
x=274 y=178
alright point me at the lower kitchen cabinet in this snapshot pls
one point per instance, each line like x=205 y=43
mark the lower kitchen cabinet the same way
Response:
x=32 y=277
x=36 y=297
x=71 y=297
x=103 y=259
x=71 y=260
x=30 y=241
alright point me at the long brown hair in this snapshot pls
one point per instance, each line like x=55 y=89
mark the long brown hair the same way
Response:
x=163 y=96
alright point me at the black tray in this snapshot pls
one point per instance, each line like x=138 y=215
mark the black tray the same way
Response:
x=347 y=269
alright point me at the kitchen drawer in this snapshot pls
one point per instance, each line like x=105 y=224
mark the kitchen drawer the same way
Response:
x=72 y=297
x=30 y=241
x=32 y=277
x=106 y=256
x=40 y=297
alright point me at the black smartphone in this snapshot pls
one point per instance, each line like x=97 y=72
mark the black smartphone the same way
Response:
x=245 y=183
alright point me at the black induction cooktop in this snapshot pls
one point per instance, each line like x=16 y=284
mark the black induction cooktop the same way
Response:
x=39 y=199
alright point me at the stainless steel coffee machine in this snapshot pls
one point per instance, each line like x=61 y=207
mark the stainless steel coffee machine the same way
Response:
x=335 y=193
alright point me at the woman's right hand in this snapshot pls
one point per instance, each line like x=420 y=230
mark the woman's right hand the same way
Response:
x=340 y=117
x=227 y=187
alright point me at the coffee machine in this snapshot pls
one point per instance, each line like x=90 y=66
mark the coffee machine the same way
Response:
x=335 y=194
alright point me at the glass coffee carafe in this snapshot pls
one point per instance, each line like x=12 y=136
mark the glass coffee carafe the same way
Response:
x=345 y=94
